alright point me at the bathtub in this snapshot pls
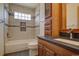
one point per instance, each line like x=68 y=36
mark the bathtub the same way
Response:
x=19 y=45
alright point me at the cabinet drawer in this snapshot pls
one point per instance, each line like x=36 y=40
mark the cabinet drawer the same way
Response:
x=49 y=52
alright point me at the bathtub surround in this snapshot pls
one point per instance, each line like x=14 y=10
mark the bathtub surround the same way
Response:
x=21 y=40
x=39 y=19
x=20 y=45
x=24 y=40
x=14 y=32
x=12 y=39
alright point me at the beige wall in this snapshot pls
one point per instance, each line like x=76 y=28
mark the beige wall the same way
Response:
x=42 y=18
x=39 y=20
x=1 y=29
x=6 y=20
x=14 y=32
x=72 y=17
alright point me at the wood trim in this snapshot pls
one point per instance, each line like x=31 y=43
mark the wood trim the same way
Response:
x=64 y=30
x=57 y=19
x=60 y=16
x=74 y=30
x=78 y=16
x=64 y=15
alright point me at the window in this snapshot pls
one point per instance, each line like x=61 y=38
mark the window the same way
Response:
x=22 y=16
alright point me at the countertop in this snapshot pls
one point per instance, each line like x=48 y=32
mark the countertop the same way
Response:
x=62 y=44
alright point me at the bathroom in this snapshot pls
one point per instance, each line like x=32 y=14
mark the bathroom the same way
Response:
x=22 y=23
x=39 y=29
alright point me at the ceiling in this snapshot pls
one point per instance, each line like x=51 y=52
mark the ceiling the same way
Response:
x=30 y=5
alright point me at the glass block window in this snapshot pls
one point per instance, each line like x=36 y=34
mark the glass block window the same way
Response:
x=22 y=16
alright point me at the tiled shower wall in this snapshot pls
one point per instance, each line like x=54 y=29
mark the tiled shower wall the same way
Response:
x=39 y=19
x=14 y=32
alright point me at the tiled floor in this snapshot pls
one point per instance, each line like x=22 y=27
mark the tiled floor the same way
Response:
x=21 y=53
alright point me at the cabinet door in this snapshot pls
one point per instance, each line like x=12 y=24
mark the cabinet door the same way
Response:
x=49 y=52
x=40 y=50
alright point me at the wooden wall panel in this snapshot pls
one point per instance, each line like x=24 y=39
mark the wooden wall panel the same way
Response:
x=56 y=21
x=64 y=11
x=78 y=15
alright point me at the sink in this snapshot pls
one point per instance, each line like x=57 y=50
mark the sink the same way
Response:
x=68 y=41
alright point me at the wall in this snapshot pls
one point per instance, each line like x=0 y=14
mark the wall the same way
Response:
x=72 y=19
x=56 y=19
x=42 y=18
x=6 y=17
x=14 y=32
x=63 y=21
x=1 y=29
x=39 y=19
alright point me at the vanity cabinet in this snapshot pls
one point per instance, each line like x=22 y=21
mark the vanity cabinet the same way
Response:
x=44 y=51
x=46 y=48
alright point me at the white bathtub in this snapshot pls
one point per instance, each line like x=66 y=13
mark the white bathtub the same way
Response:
x=19 y=45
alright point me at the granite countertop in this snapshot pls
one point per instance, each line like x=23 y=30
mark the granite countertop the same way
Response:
x=62 y=44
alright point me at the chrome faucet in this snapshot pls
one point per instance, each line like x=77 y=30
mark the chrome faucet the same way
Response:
x=71 y=36
x=70 y=32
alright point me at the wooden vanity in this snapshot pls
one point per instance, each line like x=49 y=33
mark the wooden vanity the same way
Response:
x=56 y=27
x=51 y=47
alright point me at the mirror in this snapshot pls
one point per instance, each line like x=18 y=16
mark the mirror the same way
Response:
x=72 y=15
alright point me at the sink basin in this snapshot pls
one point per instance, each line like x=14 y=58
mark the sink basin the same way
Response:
x=68 y=41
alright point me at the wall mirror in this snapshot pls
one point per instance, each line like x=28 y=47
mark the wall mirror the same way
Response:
x=70 y=16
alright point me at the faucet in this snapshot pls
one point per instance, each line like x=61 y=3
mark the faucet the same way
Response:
x=70 y=32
